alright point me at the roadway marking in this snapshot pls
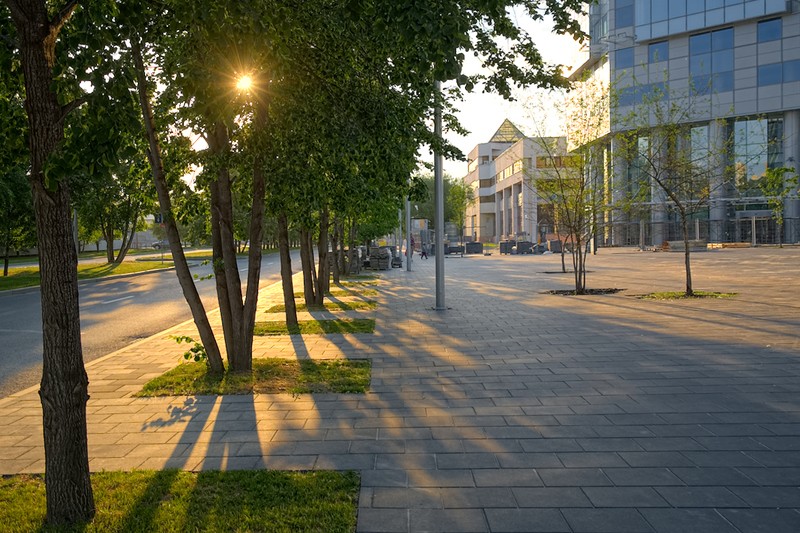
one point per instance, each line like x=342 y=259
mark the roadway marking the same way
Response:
x=116 y=300
x=20 y=331
x=242 y=269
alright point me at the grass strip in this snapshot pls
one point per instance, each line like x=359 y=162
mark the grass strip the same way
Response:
x=364 y=283
x=680 y=295
x=269 y=376
x=328 y=306
x=29 y=276
x=316 y=327
x=343 y=293
x=173 y=500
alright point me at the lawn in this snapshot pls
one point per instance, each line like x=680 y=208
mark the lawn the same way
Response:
x=358 y=305
x=29 y=276
x=316 y=327
x=269 y=376
x=176 y=501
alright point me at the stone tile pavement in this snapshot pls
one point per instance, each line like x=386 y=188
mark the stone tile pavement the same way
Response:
x=513 y=410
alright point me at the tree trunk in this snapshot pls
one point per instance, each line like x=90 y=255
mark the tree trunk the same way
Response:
x=323 y=266
x=108 y=235
x=127 y=239
x=335 y=251
x=244 y=362
x=687 y=254
x=181 y=266
x=780 y=235
x=6 y=247
x=307 y=266
x=219 y=274
x=64 y=386
x=219 y=143
x=286 y=270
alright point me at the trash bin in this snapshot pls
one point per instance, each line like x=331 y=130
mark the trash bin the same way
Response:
x=474 y=248
x=554 y=246
x=506 y=246
x=524 y=247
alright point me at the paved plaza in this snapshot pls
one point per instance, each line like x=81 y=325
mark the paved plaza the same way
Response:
x=513 y=410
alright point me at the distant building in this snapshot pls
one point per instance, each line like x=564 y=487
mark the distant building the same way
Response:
x=501 y=173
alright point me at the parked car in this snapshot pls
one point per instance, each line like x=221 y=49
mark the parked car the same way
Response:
x=160 y=244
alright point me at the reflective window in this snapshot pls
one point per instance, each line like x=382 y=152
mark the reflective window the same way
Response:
x=711 y=61
x=791 y=71
x=757 y=146
x=624 y=58
x=770 y=30
x=658 y=52
x=677 y=8
x=770 y=74
x=699 y=44
x=623 y=14
x=660 y=10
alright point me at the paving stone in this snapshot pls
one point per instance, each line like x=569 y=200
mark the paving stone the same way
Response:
x=700 y=497
x=573 y=477
x=624 y=497
x=763 y=520
x=433 y=520
x=526 y=520
x=550 y=497
x=606 y=521
x=382 y=521
x=687 y=521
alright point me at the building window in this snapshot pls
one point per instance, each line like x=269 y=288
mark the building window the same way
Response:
x=791 y=71
x=623 y=14
x=658 y=52
x=770 y=30
x=624 y=58
x=770 y=74
x=711 y=61
x=757 y=146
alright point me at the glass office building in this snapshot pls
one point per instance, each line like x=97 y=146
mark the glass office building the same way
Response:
x=740 y=61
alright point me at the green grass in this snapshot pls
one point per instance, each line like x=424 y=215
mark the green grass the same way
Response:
x=176 y=501
x=316 y=327
x=29 y=276
x=340 y=293
x=269 y=376
x=358 y=305
x=682 y=295
x=357 y=283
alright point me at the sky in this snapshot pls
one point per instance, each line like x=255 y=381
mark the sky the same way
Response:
x=482 y=113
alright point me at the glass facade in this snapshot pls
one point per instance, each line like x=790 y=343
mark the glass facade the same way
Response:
x=757 y=145
x=658 y=52
x=660 y=18
x=711 y=61
x=770 y=30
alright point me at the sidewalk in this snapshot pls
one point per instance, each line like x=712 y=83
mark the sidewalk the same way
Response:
x=511 y=411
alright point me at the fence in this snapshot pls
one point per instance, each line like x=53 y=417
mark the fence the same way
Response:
x=754 y=231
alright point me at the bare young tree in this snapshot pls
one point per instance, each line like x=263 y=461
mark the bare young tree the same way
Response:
x=673 y=161
x=571 y=172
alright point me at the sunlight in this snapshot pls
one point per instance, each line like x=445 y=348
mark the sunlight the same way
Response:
x=244 y=83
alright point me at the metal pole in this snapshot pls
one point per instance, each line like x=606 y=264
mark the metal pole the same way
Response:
x=439 y=199
x=408 y=234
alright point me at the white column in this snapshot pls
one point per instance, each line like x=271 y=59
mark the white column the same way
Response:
x=717 y=209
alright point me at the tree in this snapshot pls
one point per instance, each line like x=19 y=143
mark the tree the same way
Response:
x=776 y=188
x=459 y=198
x=48 y=83
x=571 y=177
x=673 y=162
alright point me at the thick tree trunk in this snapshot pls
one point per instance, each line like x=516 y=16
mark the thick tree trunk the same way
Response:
x=64 y=386
x=181 y=266
x=108 y=235
x=286 y=270
x=307 y=266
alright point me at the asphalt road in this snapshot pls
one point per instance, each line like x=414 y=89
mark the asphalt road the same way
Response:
x=114 y=313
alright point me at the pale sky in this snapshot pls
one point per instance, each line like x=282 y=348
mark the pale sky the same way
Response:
x=482 y=113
